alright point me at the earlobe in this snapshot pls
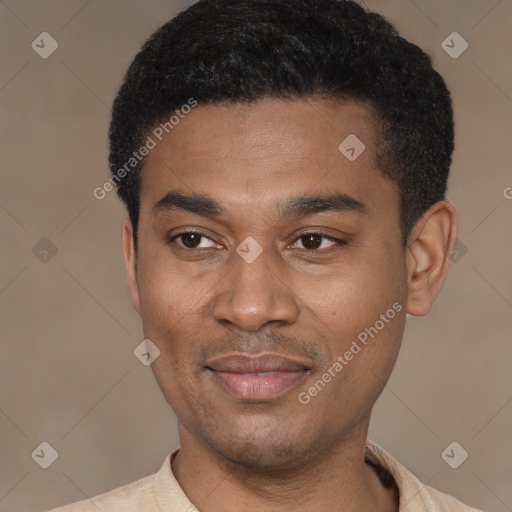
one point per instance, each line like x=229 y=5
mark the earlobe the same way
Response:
x=428 y=256
x=130 y=262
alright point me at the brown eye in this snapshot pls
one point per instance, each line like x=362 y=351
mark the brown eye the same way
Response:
x=192 y=240
x=311 y=241
x=315 y=242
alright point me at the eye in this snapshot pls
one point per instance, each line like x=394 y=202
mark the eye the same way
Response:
x=192 y=240
x=313 y=242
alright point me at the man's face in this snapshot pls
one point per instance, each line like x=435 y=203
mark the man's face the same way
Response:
x=305 y=297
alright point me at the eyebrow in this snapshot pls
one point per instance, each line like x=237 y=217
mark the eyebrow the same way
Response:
x=295 y=207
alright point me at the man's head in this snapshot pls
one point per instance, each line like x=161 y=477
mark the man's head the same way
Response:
x=241 y=51
x=293 y=208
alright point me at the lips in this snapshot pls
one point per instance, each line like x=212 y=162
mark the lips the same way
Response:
x=242 y=363
x=257 y=378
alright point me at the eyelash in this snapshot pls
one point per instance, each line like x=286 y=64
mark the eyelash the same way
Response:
x=340 y=242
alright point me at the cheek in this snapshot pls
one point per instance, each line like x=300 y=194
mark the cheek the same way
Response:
x=168 y=312
x=166 y=322
x=166 y=297
x=362 y=311
x=362 y=359
x=354 y=294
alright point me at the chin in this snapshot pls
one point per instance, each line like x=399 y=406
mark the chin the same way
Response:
x=263 y=450
x=262 y=458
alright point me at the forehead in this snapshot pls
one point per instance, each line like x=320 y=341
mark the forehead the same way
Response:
x=241 y=151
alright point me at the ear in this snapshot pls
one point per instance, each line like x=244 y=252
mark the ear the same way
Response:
x=428 y=256
x=130 y=263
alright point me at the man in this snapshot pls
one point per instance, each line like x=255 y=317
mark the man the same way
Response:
x=284 y=166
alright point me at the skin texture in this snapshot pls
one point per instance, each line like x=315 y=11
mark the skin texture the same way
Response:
x=309 y=305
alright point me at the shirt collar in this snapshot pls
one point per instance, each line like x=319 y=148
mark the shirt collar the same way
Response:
x=170 y=497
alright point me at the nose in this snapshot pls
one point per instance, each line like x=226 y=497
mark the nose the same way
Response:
x=253 y=294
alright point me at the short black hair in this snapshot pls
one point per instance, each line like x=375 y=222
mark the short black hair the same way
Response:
x=218 y=51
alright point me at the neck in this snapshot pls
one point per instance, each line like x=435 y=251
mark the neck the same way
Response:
x=337 y=479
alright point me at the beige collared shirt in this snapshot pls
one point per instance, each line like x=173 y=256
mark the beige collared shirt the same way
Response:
x=161 y=492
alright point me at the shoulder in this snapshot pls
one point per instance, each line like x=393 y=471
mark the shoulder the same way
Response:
x=414 y=495
x=436 y=500
x=137 y=495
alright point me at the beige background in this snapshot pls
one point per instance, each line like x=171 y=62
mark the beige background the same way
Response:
x=68 y=375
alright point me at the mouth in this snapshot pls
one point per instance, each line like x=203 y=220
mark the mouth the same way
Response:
x=257 y=378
